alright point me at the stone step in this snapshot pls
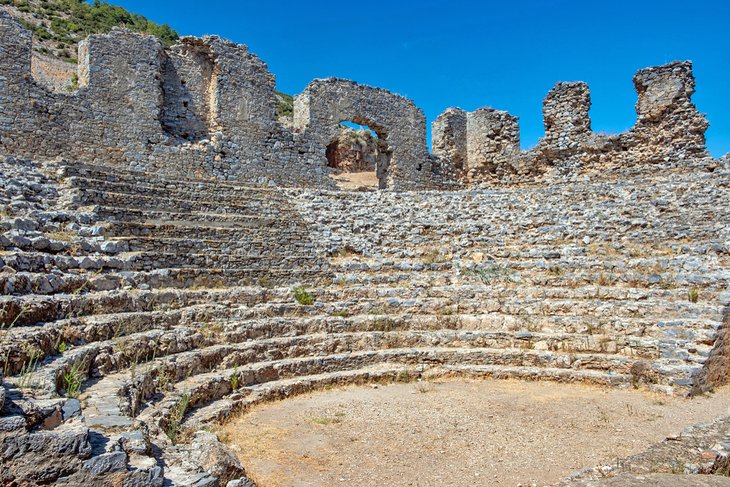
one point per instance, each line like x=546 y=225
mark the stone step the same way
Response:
x=147 y=261
x=202 y=230
x=103 y=357
x=698 y=331
x=602 y=303
x=116 y=174
x=546 y=275
x=102 y=273
x=137 y=349
x=264 y=317
x=201 y=203
x=204 y=388
x=420 y=348
x=237 y=402
x=251 y=244
x=123 y=214
x=182 y=189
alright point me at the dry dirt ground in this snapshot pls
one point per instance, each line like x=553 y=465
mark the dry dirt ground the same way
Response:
x=356 y=180
x=455 y=433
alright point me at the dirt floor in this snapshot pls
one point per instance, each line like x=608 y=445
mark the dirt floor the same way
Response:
x=456 y=433
x=356 y=180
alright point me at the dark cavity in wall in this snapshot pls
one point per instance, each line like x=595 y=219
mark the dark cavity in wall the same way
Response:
x=360 y=152
x=187 y=86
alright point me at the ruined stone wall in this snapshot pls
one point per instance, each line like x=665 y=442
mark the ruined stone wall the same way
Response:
x=53 y=73
x=320 y=108
x=448 y=134
x=492 y=142
x=206 y=108
x=668 y=128
x=668 y=123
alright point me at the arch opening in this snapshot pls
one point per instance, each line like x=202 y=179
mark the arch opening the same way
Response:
x=359 y=156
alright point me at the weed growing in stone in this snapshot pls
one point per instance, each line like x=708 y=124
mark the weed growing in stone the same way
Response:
x=163 y=379
x=176 y=416
x=490 y=274
x=72 y=381
x=303 y=296
x=29 y=367
x=693 y=295
x=235 y=379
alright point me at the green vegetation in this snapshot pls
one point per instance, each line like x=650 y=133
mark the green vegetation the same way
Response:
x=72 y=381
x=176 y=416
x=693 y=295
x=65 y=22
x=235 y=378
x=303 y=296
x=284 y=105
x=490 y=274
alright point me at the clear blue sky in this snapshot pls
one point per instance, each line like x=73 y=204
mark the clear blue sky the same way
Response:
x=471 y=54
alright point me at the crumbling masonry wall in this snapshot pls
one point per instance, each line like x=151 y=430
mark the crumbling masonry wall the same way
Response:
x=320 y=108
x=203 y=108
x=448 y=133
x=492 y=143
x=668 y=127
x=206 y=108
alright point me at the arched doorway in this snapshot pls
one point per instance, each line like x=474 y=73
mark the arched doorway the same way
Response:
x=325 y=103
x=359 y=157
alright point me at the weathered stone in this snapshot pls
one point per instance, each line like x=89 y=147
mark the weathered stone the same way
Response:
x=215 y=457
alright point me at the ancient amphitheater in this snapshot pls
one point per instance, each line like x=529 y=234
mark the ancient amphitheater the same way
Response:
x=173 y=255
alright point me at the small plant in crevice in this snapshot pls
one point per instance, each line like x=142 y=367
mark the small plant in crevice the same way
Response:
x=303 y=296
x=29 y=367
x=491 y=274
x=176 y=416
x=164 y=379
x=424 y=387
x=693 y=295
x=235 y=378
x=72 y=380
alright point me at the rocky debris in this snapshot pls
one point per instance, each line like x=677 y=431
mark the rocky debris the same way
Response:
x=216 y=458
x=699 y=453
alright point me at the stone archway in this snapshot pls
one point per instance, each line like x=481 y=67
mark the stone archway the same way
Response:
x=320 y=108
x=359 y=156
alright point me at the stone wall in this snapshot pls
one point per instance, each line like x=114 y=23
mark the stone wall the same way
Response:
x=320 y=108
x=53 y=73
x=668 y=128
x=448 y=133
x=203 y=108
x=492 y=142
x=206 y=108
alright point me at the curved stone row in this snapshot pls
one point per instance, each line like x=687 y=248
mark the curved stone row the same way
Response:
x=166 y=316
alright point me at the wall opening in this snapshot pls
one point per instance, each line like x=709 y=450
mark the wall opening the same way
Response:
x=188 y=84
x=359 y=156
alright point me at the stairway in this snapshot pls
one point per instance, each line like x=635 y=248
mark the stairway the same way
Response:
x=164 y=294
